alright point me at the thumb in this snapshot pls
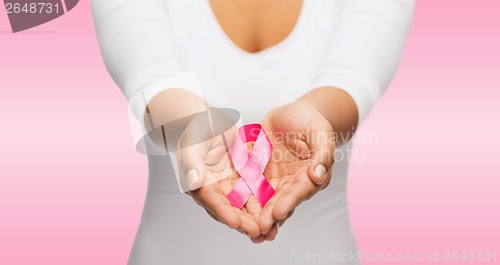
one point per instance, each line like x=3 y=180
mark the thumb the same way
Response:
x=193 y=169
x=192 y=149
x=321 y=141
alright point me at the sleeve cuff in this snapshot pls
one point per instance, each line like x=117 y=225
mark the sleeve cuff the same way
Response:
x=139 y=101
x=362 y=94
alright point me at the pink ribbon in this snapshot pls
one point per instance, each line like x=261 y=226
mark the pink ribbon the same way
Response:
x=250 y=166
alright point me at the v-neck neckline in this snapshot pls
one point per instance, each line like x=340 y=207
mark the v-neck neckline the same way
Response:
x=227 y=45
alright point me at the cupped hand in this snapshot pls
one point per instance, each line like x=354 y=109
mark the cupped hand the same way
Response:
x=301 y=162
x=206 y=173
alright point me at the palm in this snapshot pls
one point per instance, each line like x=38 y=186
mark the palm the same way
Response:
x=295 y=149
x=289 y=130
x=210 y=158
x=286 y=165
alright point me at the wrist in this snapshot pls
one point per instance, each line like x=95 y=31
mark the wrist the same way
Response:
x=337 y=107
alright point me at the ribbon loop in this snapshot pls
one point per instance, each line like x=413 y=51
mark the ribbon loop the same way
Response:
x=250 y=166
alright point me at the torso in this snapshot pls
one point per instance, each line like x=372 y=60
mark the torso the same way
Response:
x=243 y=63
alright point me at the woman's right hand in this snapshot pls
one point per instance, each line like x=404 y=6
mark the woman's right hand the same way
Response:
x=207 y=174
x=205 y=170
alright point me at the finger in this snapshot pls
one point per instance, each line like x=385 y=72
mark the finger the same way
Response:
x=282 y=222
x=215 y=201
x=193 y=167
x=208 y=197
x=327 y=182
x=248 y=225
x=212 y=215
x=275 y=228
x=266 y=219
x=258 y=239
x=299 y=191
x=192 y=161
x=321 y=140
x=272 y=234
x=253 y=207
x=192 y=149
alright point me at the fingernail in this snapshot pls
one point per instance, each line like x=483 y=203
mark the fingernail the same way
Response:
x=192 y=177
x=320 y=172
x=284 y=216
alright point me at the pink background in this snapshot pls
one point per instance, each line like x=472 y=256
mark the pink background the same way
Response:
x=72 y=186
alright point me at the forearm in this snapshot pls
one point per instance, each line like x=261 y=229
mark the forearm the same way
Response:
x=173 y=104
x=168 y=114
x=338 y=107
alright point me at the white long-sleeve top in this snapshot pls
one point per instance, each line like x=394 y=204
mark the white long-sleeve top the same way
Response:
x=354 y=45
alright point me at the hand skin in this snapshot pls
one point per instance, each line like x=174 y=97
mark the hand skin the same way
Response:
x=292 y=176
x=205 y=167
x=215 y=178
x=304 y=135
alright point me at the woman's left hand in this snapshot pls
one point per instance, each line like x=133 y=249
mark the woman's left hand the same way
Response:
x=301 y=162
